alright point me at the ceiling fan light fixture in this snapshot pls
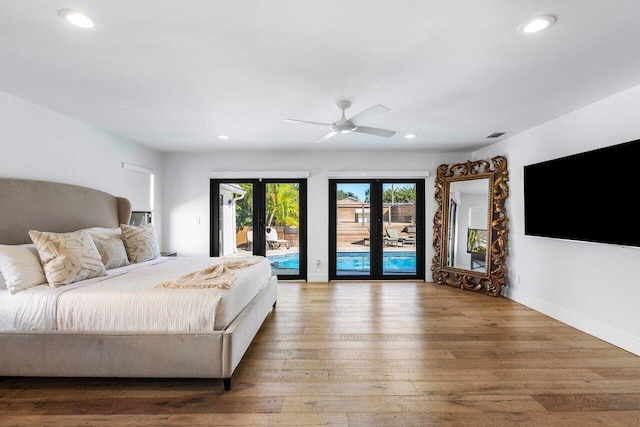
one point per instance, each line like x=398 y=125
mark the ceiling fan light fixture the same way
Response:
x=538 y=23
x=344 y=125
x=78 y=19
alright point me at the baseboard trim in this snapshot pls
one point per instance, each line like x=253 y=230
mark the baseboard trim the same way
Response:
x=319 y=277
x=599 y=330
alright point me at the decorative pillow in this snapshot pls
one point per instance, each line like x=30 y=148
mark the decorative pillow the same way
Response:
x=20 y=267
x=109 y=243
x=68 y=257
x=140 y=242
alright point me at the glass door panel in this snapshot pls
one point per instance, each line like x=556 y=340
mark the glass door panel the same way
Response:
x=235 y=218
x=261 y=217
x=377 y=229
x=353 y=229
x=282 y=231
x=399 y=224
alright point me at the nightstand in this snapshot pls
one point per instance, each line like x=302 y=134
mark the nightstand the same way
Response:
x=168 y=254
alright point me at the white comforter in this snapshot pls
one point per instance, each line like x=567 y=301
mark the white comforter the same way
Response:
x=125 y=300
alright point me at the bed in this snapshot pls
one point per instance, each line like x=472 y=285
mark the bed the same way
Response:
x=87 y=328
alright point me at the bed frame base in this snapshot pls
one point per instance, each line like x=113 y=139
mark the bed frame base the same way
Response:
x=136 y=355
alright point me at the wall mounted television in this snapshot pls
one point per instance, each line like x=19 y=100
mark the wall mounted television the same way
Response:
x=590 y=197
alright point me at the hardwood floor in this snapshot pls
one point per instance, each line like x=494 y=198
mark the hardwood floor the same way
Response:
x=371 y=354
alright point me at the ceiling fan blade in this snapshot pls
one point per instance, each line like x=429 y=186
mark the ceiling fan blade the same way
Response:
x=327 y=136
x=375 y=131
x=304 y=121
x=371 y=111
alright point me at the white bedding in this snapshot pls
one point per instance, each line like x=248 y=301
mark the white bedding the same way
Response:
x=125 y=300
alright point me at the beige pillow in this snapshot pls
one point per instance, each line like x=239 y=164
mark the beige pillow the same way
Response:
x=140 y=242
x=109 y=243
x=21 y=268
x=67 y=257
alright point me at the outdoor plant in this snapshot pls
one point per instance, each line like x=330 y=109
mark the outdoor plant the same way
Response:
x=282 y=205
x=476 y=240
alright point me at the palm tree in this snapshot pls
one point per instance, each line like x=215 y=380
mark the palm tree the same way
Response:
x=282 y=204
x=400 y=195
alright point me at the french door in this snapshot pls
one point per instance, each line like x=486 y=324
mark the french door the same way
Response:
x=377 y=229
x=261 y=217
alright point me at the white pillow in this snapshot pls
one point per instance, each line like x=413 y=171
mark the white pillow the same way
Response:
x=67 y=257
x=21 y=267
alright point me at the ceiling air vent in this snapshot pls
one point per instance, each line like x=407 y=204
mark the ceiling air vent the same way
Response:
x=495 y=135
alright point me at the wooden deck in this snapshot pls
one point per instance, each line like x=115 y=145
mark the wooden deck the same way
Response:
x=352 y=234
x=371 y=354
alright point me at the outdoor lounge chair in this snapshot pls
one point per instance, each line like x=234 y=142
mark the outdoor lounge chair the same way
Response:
x=393 y=236
x=273 y=241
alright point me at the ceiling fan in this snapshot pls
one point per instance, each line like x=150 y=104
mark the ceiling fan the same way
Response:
x=344 y=125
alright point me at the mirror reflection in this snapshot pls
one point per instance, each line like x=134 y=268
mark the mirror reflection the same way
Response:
x=468 y=221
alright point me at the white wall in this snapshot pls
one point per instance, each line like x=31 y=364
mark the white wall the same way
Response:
x=186 y=192
x=37 y=143
x=593 y=287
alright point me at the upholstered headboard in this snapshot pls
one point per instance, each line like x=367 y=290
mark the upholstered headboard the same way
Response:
x=50 y=206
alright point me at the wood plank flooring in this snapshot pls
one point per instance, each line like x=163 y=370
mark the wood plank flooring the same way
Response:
x=370 y=354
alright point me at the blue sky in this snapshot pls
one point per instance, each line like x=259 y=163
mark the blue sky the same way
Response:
x=356 y=188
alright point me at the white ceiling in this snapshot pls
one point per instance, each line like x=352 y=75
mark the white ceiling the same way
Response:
x=174 y=74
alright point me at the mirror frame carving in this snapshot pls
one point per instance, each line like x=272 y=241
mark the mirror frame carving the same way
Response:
x=494 y=279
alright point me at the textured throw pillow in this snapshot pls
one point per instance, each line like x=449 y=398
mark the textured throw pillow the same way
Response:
x=109 y=243
x=21 y=268
x=68 y=257
x=140 y=242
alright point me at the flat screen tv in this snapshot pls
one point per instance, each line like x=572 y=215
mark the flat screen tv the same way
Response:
x=590 y=197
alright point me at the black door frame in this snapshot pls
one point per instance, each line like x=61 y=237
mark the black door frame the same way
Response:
x=259 y=214
x=376 y=229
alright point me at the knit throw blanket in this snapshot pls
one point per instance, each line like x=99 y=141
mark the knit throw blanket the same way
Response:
x=219 y=276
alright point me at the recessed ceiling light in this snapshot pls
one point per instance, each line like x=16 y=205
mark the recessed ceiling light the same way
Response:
x=78 y=19
x=538 y=24
x=410 y=135
x=223 y=136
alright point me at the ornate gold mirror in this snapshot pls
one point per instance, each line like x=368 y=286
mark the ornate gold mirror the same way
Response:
x=470 y=225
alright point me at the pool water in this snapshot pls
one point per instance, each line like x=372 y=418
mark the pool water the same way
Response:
x=351 y=263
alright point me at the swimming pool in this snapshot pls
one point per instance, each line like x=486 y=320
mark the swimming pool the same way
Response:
x=351 y=263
